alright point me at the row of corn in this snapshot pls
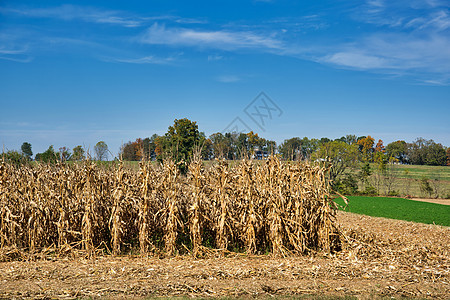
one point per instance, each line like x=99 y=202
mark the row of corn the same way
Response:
x=248 y=207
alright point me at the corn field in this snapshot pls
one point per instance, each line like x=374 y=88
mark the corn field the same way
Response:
x=271 y=207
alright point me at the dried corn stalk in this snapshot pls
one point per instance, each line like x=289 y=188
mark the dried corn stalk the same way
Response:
x=271 y=206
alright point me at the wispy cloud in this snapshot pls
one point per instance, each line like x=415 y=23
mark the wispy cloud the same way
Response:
x=190 y=20
x=15 y=54
x=397 y=53
x=72 y=12
x=25 y=59
x=404 y=37
x=356 y=59
x=97 y=15
x=219 y=39
x=412 y=15
x=146 y=60
x=407 y=39
x=439 y=20
x=4 y=50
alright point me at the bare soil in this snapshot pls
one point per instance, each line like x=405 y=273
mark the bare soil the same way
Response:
x=437 y=201
x=380 y=258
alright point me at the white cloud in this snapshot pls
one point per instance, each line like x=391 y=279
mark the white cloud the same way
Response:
x=14 y=54
x=357 y=60
x=26 y=59
x=4 y=50
x=376 y=3
x=190 y=21
x=72 y=12
x=406 y=38
x=145 y=60
x=95 y=15
x=399 y=53
x=220 y=39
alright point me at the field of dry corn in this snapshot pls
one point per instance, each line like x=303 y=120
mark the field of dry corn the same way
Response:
x=253 y=208
x=217 y=231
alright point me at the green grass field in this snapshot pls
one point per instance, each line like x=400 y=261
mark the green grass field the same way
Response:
x=417 y=172
x=399 y=208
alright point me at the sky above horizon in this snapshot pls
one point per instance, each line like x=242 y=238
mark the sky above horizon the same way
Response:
x=77 y=72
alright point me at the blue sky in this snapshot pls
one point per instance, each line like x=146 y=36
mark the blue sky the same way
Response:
x=74 y=73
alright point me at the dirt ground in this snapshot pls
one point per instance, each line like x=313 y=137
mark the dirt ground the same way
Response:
x=380 y=258
x=437 y=201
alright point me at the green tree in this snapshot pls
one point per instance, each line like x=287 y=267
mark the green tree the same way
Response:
x=435 y=155
x=381 y=161
x=448 y=156
x=26 y=150
x=291 y=148
x=425 y=186
x=101 y=151
x=181 y=138
x=337 y=155
x=49 y=156
x=349 y=139
x=416 y=151
x=308 y=146
x=398 y=150
x=242 y=145
x=219 y=145
x=14 y=157
x=364 y=175
x=78 y=153
x=426 y=152
x=324 y=140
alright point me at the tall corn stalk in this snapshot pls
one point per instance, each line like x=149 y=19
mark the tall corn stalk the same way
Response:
x=197 y=184
x=148 y=178
x=220 y=183
x=257 y=207
x=172 y=198
x=90 y=216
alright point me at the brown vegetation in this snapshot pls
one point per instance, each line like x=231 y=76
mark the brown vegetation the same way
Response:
x=256 y=208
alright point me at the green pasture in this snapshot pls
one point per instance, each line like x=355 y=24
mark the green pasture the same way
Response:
x=399 y=208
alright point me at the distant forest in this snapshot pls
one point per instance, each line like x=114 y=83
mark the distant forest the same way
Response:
x=183 y=139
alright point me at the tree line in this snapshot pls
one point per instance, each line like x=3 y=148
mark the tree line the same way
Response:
x=183 y=139
x=51 y=155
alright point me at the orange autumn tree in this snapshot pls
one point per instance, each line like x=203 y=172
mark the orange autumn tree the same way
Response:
x=133 y=150
x=139 y=148
x=380 y=156
x=380 y=147
x=366 y=147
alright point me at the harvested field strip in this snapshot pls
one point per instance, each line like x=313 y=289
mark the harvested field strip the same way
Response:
x=247 y=207
x=399 y=208
x=380 y=258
